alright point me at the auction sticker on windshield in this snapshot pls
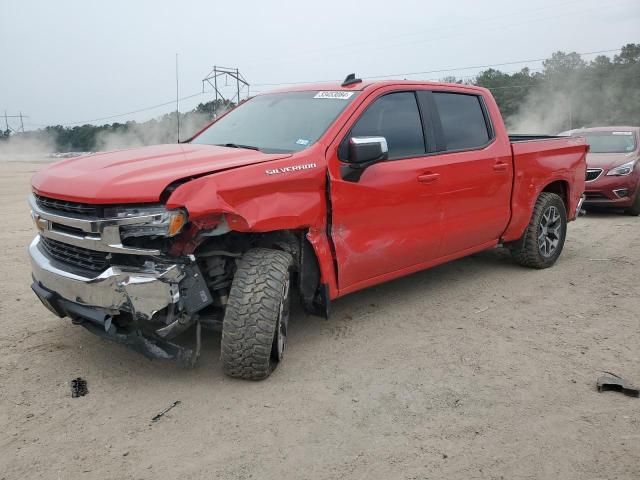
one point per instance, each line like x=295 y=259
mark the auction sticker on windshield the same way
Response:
x=336 y=95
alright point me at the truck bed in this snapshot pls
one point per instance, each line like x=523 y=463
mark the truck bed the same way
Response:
x=540 y=161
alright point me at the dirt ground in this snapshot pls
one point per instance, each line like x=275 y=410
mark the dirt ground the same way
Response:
x=475 y=369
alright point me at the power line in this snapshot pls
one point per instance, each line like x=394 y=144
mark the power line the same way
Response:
x=405 y=74
x=427 y=72
x=152 y=107
x=369 y=42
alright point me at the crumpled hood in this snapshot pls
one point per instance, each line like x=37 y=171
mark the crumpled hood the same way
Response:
x=607 y=161
x=137 y=175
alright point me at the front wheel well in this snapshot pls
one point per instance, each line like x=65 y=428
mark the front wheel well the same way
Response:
x=219 y=255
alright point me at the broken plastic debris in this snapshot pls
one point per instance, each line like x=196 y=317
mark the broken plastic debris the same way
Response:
x=158 y=416
x=79 y=387
x=615 y=383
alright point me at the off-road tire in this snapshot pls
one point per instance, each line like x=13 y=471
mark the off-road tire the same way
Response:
x=634 y=210
x=526 y=251
x=259 y=292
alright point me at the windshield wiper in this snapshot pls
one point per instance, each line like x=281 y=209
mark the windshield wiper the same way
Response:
x=236 y=145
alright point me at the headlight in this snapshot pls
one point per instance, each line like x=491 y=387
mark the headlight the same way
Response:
x=160 y=222
x=624 y=169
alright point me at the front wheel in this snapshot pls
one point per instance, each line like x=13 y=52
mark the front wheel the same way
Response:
x=254 y=330
x=543 y=240
x=634 y=209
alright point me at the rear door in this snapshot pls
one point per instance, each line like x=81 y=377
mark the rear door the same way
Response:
x=389 y=218
x=477 y=172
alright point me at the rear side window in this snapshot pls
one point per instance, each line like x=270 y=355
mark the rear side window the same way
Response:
x=396 y=117
x=463 y=122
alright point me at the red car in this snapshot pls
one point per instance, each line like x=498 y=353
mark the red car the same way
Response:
x=613 y=174
x=321 y=190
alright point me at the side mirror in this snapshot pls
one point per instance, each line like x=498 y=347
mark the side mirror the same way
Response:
x=365 y=151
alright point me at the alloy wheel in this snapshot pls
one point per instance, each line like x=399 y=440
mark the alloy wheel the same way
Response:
x=549 y=231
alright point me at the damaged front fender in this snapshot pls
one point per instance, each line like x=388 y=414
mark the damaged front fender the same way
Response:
x=254 y=201
x=250 y=199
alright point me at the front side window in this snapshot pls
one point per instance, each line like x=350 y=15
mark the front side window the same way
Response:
x=394 y=116
x=278 y=122
x=463 y=122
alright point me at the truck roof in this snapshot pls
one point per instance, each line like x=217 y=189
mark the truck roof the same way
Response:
x=370 y=84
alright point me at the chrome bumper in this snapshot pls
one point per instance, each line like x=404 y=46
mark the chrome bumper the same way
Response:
x=142 y=292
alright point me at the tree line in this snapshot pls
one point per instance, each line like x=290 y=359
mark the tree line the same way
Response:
x=568 y=92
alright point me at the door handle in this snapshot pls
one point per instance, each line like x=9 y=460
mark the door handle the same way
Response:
x=501 y=167
x=428 y=177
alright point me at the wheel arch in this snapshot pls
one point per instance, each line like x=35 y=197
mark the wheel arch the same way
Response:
x=560 y=188
x=523 y=205
x=312 y=260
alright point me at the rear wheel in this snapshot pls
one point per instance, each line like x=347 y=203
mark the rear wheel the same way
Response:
x=543 y=240
x=254 y=330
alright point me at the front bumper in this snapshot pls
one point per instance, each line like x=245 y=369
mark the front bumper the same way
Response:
x=98 y=322
x=612 y=191
x=95 y=301
x=139 y=291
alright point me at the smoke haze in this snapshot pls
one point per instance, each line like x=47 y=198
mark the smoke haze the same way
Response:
x=571 y=93
x=151 y=133
x=27 y=147
x=56 y=140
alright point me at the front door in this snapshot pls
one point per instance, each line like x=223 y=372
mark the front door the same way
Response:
x=389 y=218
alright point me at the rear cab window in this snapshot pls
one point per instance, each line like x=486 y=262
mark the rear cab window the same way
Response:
x=463 y=120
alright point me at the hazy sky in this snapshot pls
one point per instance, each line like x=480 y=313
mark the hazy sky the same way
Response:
x=71 y=61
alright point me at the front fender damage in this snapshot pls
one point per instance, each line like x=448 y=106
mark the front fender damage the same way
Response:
x=248 y=200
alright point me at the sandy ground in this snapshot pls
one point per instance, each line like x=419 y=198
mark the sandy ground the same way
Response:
x=475 y=369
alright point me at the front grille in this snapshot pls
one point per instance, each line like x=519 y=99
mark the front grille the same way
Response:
x=76 y=256
x=63 y=206
x=593 y=173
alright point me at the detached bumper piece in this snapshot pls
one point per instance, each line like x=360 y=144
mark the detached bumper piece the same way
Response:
x=100 y=323
x=612 y=382
x=579 y=210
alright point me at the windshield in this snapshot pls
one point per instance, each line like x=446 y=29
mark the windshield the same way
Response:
x=611 y=142
x=278 y=122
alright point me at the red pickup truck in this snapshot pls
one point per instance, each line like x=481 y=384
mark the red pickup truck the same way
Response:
x=311 y=192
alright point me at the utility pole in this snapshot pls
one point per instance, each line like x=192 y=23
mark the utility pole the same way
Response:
x=238 y=84
x=7 y=127
x=177 y=100
x=226 y=73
